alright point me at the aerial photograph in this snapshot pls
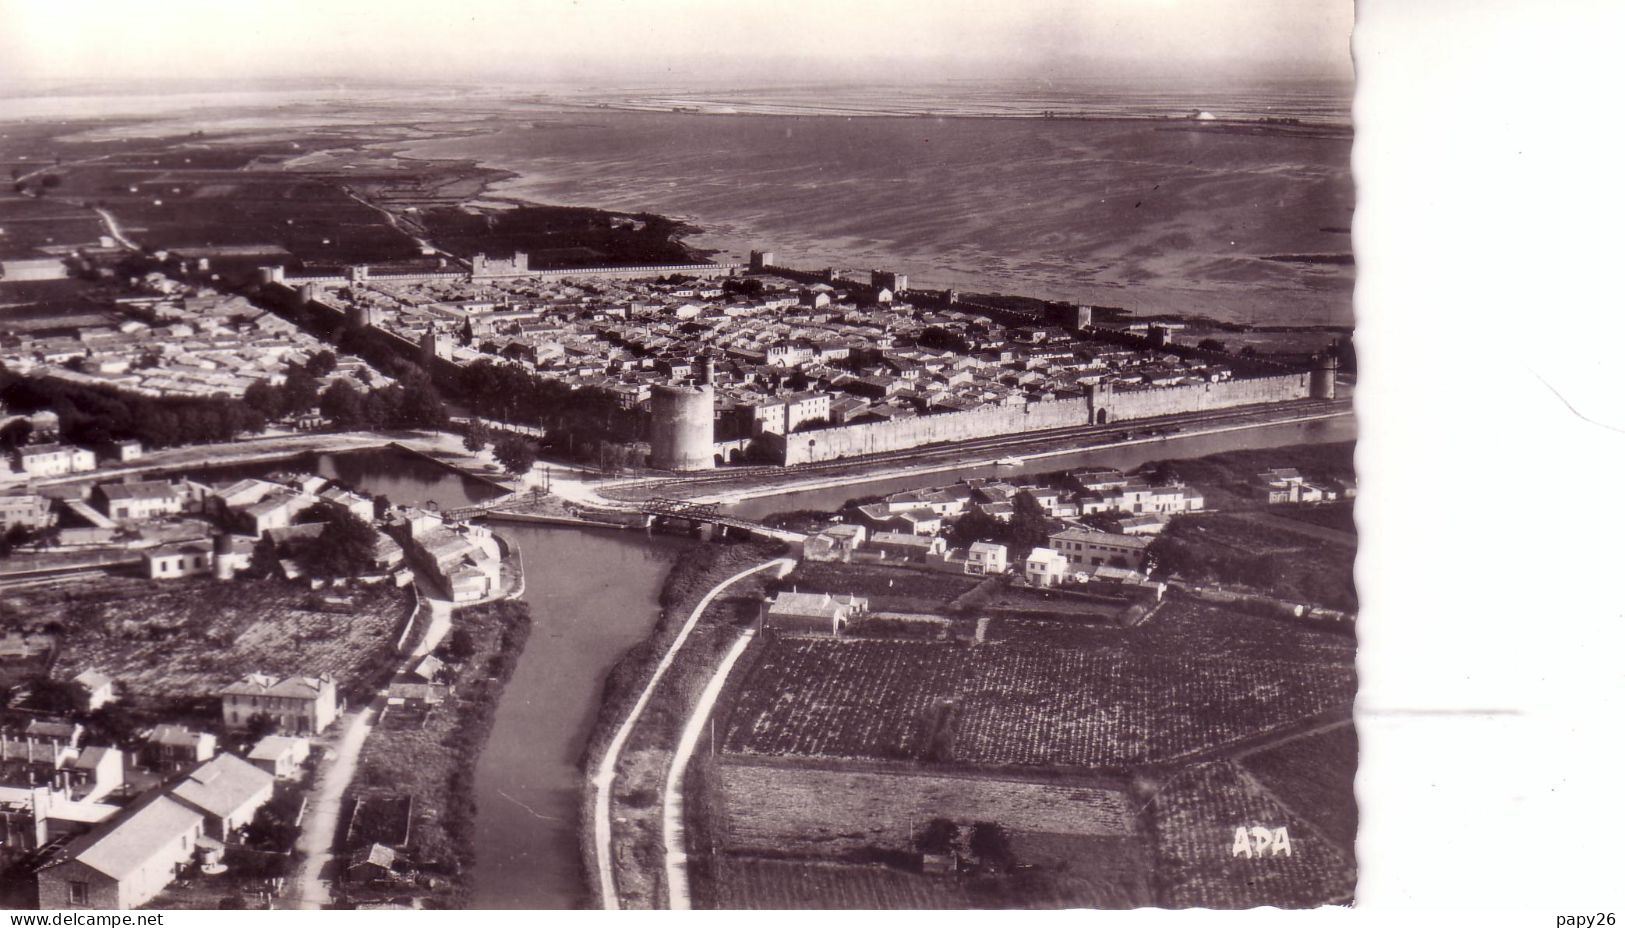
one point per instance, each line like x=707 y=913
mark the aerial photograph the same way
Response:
x=716 y=454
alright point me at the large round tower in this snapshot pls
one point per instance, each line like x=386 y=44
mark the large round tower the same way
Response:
x=682 y=427
x=1323 y=377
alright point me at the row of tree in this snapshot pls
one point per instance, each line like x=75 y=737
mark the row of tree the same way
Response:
x=516 y=453
x=588 y=423
x=413 y=403
x=1028 y=528
x=92 y=416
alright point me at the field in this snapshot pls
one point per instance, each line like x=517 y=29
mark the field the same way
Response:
x=558 y=236
x=1060 y=632
x=1314 y=775
x=43 y=306
x=1262 y=553
x=1195 y=816
x=889 y=589
x=28 y=225
x=186 y=639
x=1338 y=515
x=187 y=195
x=756 y=883
x=1059 y=731
x=1213 y=631
x=1019 y=704
x=1031 y=603
x=844 y=810
x=765 y=883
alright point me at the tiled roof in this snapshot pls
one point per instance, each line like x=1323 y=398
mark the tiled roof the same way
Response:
x=122 y=844
x=222 y=785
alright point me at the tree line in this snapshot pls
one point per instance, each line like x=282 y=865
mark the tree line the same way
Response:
x=586 y=423
x=1028 y=527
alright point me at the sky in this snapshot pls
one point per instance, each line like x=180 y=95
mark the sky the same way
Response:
x=683 y=41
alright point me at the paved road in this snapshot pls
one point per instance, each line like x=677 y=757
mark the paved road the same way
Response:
x=439 y=625
x=604 y=780
x=672 y=821
x=114 y=230
x=321 y=825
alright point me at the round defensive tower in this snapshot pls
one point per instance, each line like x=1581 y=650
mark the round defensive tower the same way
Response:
x=681 y=427
x=1323 y=377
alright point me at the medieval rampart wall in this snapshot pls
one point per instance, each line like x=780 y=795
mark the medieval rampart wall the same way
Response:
x=1118 y=404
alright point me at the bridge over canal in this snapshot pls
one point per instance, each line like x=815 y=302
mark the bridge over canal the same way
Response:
x=706 y=516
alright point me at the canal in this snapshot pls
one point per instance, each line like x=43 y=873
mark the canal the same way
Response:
x=593 y=594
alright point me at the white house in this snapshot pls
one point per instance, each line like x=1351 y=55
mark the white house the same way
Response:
x=277 y=511
x=28 y=510
x=906 y=546
x=280 y=755
x=227 y=791
x=95 y=773
x=126 y=450
x=39 y=461
x=303 y=705
x=1045 y=567
x=126 y=860
x=359 y=506
x=174 y=561
x=175 y=746
x=93 y=689
x=985 y=557
x=1084 y=548
x=131 y=502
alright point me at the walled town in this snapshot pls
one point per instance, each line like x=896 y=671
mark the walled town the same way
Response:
x=792 y=367
x=243 y=664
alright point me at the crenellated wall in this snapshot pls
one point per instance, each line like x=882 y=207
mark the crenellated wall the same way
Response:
x=1163 y=401
x=1102 y=405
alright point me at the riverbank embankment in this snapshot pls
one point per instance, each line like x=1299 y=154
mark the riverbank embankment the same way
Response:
x=653 y=687
x=431 y=757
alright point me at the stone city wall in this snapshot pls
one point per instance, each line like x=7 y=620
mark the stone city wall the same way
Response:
x=1100 y=407
x=626 y=273
x=1164 y=401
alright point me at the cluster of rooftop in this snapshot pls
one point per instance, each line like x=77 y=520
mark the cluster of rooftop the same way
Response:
x=176 y=340
x=181 y=528
x=93 y=839
x=782 y=355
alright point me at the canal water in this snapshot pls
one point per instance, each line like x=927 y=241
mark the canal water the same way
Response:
x=593 y=594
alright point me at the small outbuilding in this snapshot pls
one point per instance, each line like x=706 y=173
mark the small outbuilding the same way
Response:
x=373 y=862
x=812 y=613
x=93 y=689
